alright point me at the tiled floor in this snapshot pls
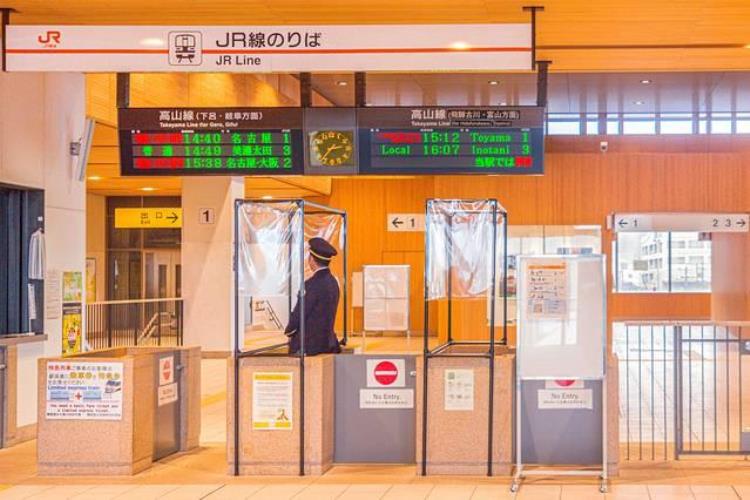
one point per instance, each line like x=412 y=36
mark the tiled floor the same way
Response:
x=202 y=473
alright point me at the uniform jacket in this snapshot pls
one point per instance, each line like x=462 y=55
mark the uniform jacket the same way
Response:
x=321 y=301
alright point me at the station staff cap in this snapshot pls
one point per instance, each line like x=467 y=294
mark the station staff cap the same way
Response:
x=321 y=249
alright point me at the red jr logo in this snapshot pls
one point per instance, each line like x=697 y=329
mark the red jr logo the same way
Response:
x=50 y=39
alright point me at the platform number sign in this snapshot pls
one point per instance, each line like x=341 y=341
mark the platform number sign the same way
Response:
x=405 y=222
x=207 y=216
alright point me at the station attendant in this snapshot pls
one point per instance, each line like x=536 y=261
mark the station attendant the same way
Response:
x=321 y=301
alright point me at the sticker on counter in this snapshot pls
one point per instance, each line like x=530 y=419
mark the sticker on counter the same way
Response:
x=459 y=390
x=565 y=399
x=167 y=394
x=272 y=401
x=78 y=390
x=374 y=399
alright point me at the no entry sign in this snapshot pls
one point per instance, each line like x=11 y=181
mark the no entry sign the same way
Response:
x=385 y=373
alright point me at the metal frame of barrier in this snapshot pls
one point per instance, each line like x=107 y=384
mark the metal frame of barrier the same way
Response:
x=444 y=350
x=273 y=350
x=3 y=392
x=122 y=323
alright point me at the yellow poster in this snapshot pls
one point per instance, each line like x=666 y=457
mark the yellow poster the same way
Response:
x=90 y=280
x=72 y=286
x=72 y=338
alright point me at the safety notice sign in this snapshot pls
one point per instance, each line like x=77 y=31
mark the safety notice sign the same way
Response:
x=386 y=373
x=568 y=394
x=386 y=398
x=272 y=400
x=166 y=370
x=84 y=391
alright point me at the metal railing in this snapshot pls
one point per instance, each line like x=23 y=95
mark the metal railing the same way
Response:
x=122 y=323
x=681 y=389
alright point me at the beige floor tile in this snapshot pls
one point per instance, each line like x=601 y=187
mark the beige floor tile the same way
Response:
x=669 y=492
x=148 y=492
x=492 y=492
x=62 y=492
x=451 y=492
x=743 y=491
x=408 y=491
x=18 y=492
x=581 y=492
x=364 y=492
x=191 y=492
x=627 y=492
x=104 y=492
x=714 y=492
x=235 y=491
x=539 y=492
x=277 y=492
x=321 y=492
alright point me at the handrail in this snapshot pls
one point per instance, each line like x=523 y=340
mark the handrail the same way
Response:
x=135 y=301
x=683 y=322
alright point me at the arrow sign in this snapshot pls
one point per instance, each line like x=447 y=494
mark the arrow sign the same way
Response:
x=622 y=223
x=405 y=222
x=173 y=217
x=682 y=221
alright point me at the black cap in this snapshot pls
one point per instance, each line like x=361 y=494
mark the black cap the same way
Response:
x=321 y=249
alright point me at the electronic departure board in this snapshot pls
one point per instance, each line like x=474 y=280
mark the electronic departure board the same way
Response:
x=435 y=140
x=277 y=141
x=211 y=141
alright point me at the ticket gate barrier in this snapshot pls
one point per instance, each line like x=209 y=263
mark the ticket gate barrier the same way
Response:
x=167 y=426
x=375 y=416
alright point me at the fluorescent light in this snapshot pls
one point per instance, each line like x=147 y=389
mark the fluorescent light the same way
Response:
x=494 y=82
x=460 y=46
x=148 y=189
x=152 y=42
x=638 y=103
x=94 y=177
x=266 y=197
x=342 y=83
x=503 y=103
x=646 y=81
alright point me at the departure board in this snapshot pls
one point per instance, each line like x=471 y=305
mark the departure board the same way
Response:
x=451 y=140
x=211 y=141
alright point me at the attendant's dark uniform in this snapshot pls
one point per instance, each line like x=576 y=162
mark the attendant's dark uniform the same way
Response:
x=321 y=301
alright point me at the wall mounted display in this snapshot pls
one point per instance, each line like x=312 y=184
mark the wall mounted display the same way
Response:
x=332 y=141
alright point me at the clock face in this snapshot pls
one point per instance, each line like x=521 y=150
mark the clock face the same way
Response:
x=332 y=148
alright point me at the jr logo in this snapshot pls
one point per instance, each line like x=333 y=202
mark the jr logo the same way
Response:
x=50 y=39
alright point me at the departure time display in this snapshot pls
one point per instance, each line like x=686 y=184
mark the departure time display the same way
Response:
x=452 y=140
x=232 y=141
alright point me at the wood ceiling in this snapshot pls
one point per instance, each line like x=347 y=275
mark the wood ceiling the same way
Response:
x=577 y=35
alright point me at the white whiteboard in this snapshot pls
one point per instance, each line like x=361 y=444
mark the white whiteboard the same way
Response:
x=561 y=317
x=386 y=298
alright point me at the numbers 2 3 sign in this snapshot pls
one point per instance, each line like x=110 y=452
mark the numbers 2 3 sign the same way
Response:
x=263 y=49
x=701 y=222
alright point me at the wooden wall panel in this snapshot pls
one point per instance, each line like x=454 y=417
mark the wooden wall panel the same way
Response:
x=579 y=187
x=730 y=271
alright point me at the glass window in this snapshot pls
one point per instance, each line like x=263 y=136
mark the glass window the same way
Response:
x=639 y=124
x=691 y=263
x=642 y=262
x=613 y=125
x=676 y=123
x=558 y=127
x=721 y=123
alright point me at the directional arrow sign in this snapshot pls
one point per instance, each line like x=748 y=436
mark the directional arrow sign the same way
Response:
x=405 y=222
x=148 y=218
x=700 y=222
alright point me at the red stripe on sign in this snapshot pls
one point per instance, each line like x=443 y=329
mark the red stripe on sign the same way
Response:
x=426 y=50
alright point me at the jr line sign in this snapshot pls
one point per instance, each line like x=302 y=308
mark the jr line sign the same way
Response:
x=700 y=222
x=265 y=49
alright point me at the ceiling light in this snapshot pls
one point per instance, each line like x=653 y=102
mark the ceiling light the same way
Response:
x=646 y=81
x=638 y=103
x=342 y=83
x=503 y=103
x=460 y=46
x=266 y=197
x=152 y=42
x=494 y=82
x=94 y=177
x=148 y=189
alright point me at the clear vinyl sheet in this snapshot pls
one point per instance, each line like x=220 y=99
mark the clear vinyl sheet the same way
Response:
x=459 y=252
x=269 y=245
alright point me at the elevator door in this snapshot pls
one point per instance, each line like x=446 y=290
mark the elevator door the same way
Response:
x=167 y=421
x=161 y=274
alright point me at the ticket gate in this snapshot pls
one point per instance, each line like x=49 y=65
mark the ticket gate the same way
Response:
x=167 y=426
x=3 y=398
x=375 y=417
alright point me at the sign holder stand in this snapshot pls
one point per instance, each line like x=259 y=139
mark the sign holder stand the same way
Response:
x=521 y=471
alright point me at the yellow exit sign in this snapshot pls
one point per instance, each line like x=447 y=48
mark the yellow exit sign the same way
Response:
x=148 y=218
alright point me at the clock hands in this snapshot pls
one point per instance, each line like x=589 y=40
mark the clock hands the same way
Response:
x=328 y=151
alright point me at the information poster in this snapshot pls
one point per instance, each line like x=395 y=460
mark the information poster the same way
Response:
x=52 y=294
x=272 y=401
x=459 y=390
x=84 y=390
x=72 y=286
x=167 y=391
x=547 y=295
x=72 y=338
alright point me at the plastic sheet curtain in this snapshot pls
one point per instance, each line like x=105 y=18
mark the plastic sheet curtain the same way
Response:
x=459 y=254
